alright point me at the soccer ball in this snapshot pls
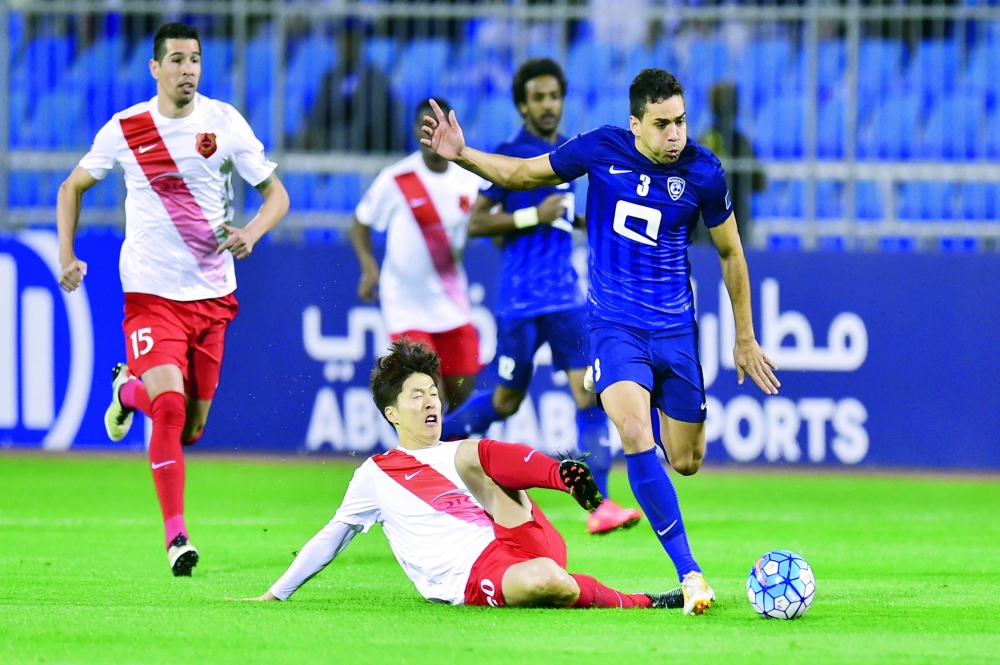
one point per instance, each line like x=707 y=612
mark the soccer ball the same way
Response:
x=781 y=585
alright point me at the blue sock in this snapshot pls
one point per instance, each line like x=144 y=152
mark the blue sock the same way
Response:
x=592 y=425
x=655 y=494
x=473 y=417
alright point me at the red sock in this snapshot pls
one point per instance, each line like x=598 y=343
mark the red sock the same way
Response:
x=167 y=460
x=595 y=594
x=519 y=467
x=133 y=395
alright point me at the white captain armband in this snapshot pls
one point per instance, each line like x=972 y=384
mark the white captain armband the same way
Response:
x=526 y=218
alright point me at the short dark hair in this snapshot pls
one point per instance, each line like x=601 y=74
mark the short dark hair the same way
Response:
x=424 y=107
x=172 y=31
x=404 y=360
x=532 y=69
x=650 y=87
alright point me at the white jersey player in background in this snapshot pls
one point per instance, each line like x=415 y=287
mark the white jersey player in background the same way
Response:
x=456 y=514
x=178 y=151
x=422 y=203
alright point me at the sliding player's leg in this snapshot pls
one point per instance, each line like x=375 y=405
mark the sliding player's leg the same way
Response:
x=515 y=466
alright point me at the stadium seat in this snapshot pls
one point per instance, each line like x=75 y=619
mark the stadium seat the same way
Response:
x=592 y=66
x=216 y=69
x=981 y=201
x=609 y=111
x=18 y=115
x=135 y=79
x=496 y=121
x=705 y=63
x=575 y=113
x=953 y=129
x=381 y=53
x=929 y=201
x=763 y=70
x=958 y=244
x=832 y=57
x=880 y=72
x=23 y=189
x=893 y=130
x=778 y=128
x=829 y=203
x=897 y=244
x=420 y=68
x=981 y=74
x=312 y=59
x=991 y=139
x=58 y=121
x=830 y=129
x=16 y=36
x=868 y=204
x=934 y=69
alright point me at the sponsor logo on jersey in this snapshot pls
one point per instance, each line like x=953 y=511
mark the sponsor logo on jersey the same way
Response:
x=675 y=187
x=207 y=145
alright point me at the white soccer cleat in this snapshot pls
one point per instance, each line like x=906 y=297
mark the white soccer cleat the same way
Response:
x=698 y=596
x=182 y=557
x=118 y=419
x=588 y=379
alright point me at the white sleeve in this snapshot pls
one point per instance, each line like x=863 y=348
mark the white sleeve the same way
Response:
x=104 y=151
x=358 y=512
x=248 y=152
x=379 y=202
x=314 y=557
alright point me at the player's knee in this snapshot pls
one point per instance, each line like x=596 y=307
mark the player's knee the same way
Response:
x=687 y=465
x=552 y=585
x=506 y=403
x=633 y=431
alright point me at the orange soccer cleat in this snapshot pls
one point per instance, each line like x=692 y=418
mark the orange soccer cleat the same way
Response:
x=611 y=516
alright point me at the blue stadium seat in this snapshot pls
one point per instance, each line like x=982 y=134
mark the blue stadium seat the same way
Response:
x=829 y=203
x=934 y=67
x=782 y=198
x=953 y=129
x=959 y=244
x=496 y=121
x=981 y=201
x=45 y=63
x=312 y=59
x=897 y=244
x=345 y=191
x=925 y=200
x=23 y=189
x=763 y=69
x=575 y=113
x=591 y=66
x=94 y=75
x=19 y=120
x=259 y=83
x=893 y=130
x=880 y=72
x=609 y=111
x=784 y=242
x=830 y=129
x=216 y=69
x=381 y=53
x=980 y=73
x=868 y=204
x=778 y=128
x=420 y=68
x=59 y=121
x=991 y=139
x=832 y=57
x=706 y=63
x=16 y=35
x=661 y=56
x=135 y=80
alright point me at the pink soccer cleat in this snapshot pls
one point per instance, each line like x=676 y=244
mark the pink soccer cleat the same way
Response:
x=611 y=516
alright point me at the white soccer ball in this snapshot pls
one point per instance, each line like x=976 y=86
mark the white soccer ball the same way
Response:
x=781 y=585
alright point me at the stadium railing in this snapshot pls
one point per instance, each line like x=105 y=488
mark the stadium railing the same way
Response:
x=878 y=126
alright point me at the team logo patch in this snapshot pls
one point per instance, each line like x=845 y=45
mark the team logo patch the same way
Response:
x=675 y=187
x=464 y=203
x=207 y=145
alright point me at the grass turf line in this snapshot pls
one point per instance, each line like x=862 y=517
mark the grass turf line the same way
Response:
x=908 y=570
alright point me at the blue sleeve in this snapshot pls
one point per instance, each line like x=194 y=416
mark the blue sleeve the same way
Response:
x=716 y=203
x=571 y=160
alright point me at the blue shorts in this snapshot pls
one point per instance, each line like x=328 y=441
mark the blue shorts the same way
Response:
x=665 y=363
x=519 y=338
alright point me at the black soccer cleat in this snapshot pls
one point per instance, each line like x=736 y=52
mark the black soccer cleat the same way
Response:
x=668 y=600
x=182 y=556
x=580 y=483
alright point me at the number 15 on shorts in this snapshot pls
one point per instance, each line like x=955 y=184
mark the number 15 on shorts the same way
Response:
x=142 y=337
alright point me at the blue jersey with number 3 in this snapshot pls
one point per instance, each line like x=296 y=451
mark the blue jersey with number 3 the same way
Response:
x=640 y=217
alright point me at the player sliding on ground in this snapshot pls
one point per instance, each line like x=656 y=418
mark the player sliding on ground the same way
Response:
x=178 y=151
x=648 y=188
x=456 y=514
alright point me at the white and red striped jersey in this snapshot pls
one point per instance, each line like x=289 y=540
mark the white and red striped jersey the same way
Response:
x=178 y=175
x=423 y=285
x=434 y=525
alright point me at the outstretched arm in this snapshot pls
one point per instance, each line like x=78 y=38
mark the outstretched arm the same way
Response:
x=445 y=137
x=750 y=358
x=314 y=557
x=67 y=216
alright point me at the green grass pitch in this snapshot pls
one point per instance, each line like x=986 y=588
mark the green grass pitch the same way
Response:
x=908 y=571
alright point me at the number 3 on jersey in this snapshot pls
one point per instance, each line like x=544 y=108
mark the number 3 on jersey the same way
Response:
x=142 y=335
x=651 y=216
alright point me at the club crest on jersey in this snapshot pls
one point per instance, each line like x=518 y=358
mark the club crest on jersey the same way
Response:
x=675 y=187
x=464 y=204
x=206 y=145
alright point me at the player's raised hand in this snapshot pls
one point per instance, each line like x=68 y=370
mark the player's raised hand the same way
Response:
x=552 y=208
x=368 y=286
x=240 y=242
x=72 y=274
x=443 y=134
x=751 y=360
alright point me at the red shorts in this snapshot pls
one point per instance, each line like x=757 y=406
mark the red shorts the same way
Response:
x=458 y=348
x=190 y=335
x=531 y=540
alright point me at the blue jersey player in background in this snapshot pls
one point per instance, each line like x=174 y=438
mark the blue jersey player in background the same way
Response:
x=648 y=187
x=539 y=297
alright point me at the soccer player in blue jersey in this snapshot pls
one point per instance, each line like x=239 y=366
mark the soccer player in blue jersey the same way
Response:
x=649 y=185
x=539 y=299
